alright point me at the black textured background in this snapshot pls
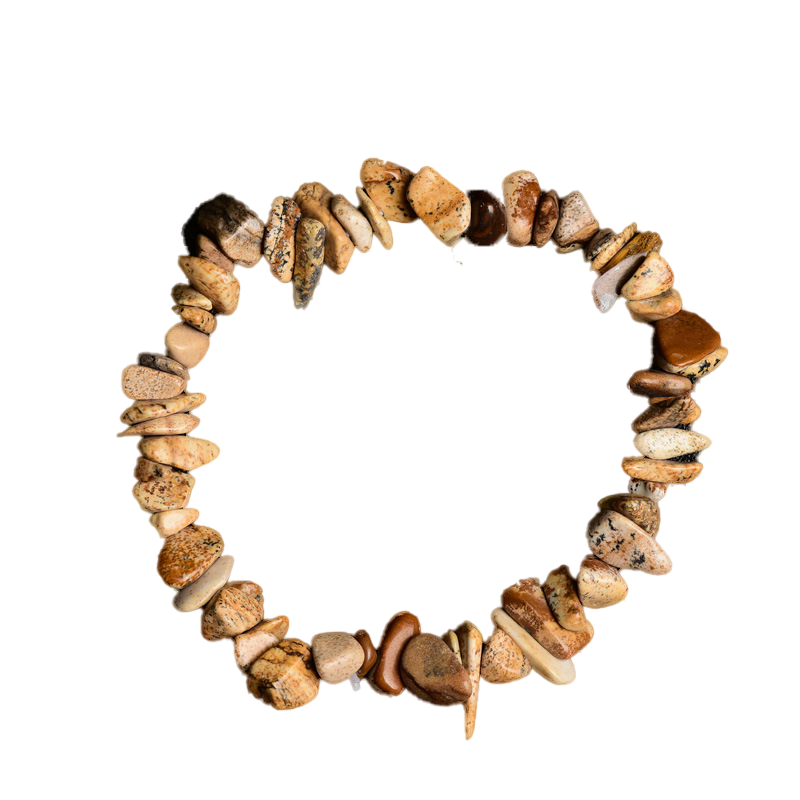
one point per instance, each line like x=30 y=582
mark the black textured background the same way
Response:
x=427 y=433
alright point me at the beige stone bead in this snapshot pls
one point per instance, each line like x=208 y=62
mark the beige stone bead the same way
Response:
x=147 y=470
x=353 y=221
x=655 y=308
x=613 y=247
x=174 y=520
x=185 y=295
x=620 y=542
x=443 y=207
x=380 y=227
x=234 y=227
x=637 y=508
x=314 y=200
x=221 y=287
x=648 y=469
x=284 y=675
x=143 y=383
x=143 y=410
x=670 y=443
x=173 y=425
x=196 y=317
x=186 y=344
x=599 y=584
x=337 y=656
x=310 y=242
x=199 y=592
x=705 y=366
x=652 y=489
x=165 y=493
x=235 y=608
x=386 y=183
x=451 y=640
x=183 y=452
x=668 y=413
x=252 y=644
x=186 y=555
x=502 y=660
x=576 y=223
x=203 y=247
x=562 y=597
x=546 y=218
x=653 y=277
x=521 y=192
x=279 y=238
x=470 y=643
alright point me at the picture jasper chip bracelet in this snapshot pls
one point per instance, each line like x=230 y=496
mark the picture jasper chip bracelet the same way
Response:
x=540 y=626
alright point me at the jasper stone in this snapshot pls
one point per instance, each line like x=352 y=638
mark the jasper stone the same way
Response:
x=651 y=383
x=653 y=277
x=337 y=656
x=647 y=469
x=652 y=489
x=623 y=544
x=637 y=508
x=526 y=604
x=386 y=183
x=252 y=644
x=546 y=219
x=600 y=241
x=308 y=263
x=185 y=295
x=141 y=411
x=562 y=597
x=380 y=227
x=370 y=653
x=704 y=366
x=684 y=338
x=163 y=363
x=234 y=609
x=655 y=308
x=487 y=222
x=183 y=452
x=221 y=287
x=143 y=383
x=502 y=660
x=174 y=520
x=634 y=251
x=470 y=642
x=186 y=344
x=608 y=284
x=605 y=254
x=314 y=200
x=443 y=207
x=163 y=494
x=576 y=223
x=668 y=414
x=234 y=227
x=147 y=470
x=353 y=221
x=202 y=247
x=385 y=675
x=284 y=675
x=186 y=555
x=521 y=192
x=451 y=640
x=670 y=443
x=431 y=671
x=196 y=317
x=174 y=425
x=198 y=593
x=279 y=246
x=599 y=584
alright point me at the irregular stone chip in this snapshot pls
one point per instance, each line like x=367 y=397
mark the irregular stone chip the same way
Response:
x=337 y=656
x=502 y=660
x=521 y=192
x=370 y=653
x=470 y=642
x=684 y=338
x=314 y=200
x=431 y=671
x=185 y=295
x=141 y=411
x=234 y=609
x=451 y=640
x=651 y=383
x=198 y=593
x=647 y=469
x=653 y=277
x=655 y=308
x=380 y=227
x=186 y=555
x=443 y=207
x=668 y=413
x=174 y=520
x=546 y=218
x=576 y=223
x=704 y=366
x=555 y=670
x=609 y=283
x=163 y=363
x=600 y=241
x=670 y=443
x=637 y=508
x=144 y=383
x=623 y=544
x=186 y=344
x=197 y=318
x=284 y=675
x=487 y=219
x=252 y=644
x=279 y=245
x=308 y=263
x=633 y=251
x=652 y=489
x=173 y=425
x=164 y=493
x=183 y=452
x=387 y=183
x=234 y=227
x=599 y=584
x=221 y=287
x=201 y=246
x=147 y=470
x=385 y=675
x=353 y=221
x=611 y=249
x=562 y=597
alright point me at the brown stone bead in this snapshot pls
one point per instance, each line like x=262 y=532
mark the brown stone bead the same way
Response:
x=279 y=246
x=308 y=262
x=165 y=493
x=147 y=470
x=205 y=248
x=234 y=609
x=163 y=363
x=196 y=317
x=562 y=597
x=620 y=542
x=684 y=338
x=386 y=182
x=186 y=555
x=521 y=192
x=576 y=223
x=385 y=675
x=370 y=654
x=314 y=201
x=655 y=308
x=233 y=227
x=546 y=218
x=602 y=239
x=284 y=675
x=431 y=671
x=502 y=661
x=487 y=223
x=650 y=469
x=635 y=250
x=651 y=383
x=667 y=413
x=637 y=508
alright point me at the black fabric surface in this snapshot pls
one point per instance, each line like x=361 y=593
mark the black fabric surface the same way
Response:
x=425 y=434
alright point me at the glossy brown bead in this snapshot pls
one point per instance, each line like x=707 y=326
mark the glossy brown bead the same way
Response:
x=546 y=218
x=651 y=383
x=370 y=653
x=385 y=676
x=684 y=338
x=488 y=218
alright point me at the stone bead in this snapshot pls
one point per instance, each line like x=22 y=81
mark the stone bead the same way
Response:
x=141 y=411
x=337 y=656
x=576 y=223
x=502 y=660
x=599 y=242
x=163 y=494
x=487 y=221
x=562 y=598
x=443 y=207
x=670 y=443
x=354 y=222
x=186 y=555
x=385 y=675
x=198 y=593
x=599 y=584
x=609 y=283
x=314 y=200
x=647 y=469
x=652 y=489
x=174 y=520
x=284 y=675
x=521 y=192
x=604 y=255
x=370 y=653
x=308 y=263
x=163 y=363
x=684 y=338
x=555 y=670
x=174 y=425
x=637 y=508
x=380 y=227
x=183 y=452
x=186 y=344
x=196 y=317
x=526 y=604
x=651 y=383
x=667 y=413
x=470 y=642
x=251 y=645
x=147 y=470
x=655 y=308
x=546 y=218
x=203 y=247
x=699 y=369
x=221 y=287
x=653 y=277
x=623 y=544
x=634 y=251
x=234 y=227
x=431 y=671
x=387 y=183
x=234 y=609
x=279 y=246
x=143 y=383
x=451 y=640
x=185 y=295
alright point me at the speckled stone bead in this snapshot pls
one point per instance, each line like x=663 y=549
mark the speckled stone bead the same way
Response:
x=502 y=660
x=337 y=656
x=171 y=491
x=147 y=470
x=186 y=555
x=234 y=227
x=634 y=251
x=599 y=584
x=576 y=223
x=200 y=245
x=546 y=218
x=185 y=295
x=144 y=410
x=174 y=425
x=163 y=363
x=653 y=277
x=647 y=469
x=186 y=344
x=183 y=452
x=221 y=287
x=623 y=544
x=652 y=489
x=385 y=675
x=251 y=645
x=684 y=338
x=651 y=383
x=655 y=308
x=470 y=642
x=196 y=317
x=380 y=227
x=353 y=221
x=234 y=609
x=143 y=383
x=443 y=207
x=487 y=224
x=603 y=255
x=637 y=508
x=604 y=238
x=308 y=264
x=705 y=366
x=668 y=413
x=279 y=244
x=521 y=192
x=450 y=638
x=198 y=593
x=562 y=598
x=386 y=184
x=670 y=443
x=284 y=675
x=314 y=200
x=174 y=520
x=370 y=653
x=431 y=671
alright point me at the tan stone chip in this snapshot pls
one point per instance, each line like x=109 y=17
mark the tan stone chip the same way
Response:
x=576 y=223
x=279 y=238
x=144 y=410
x=610 y=250
x=655 y=308
x=669 y=443
x=443 y=207
x=196 y=317
x=221 y=287
x=174 y=520
x=235 y=608
x=186 y=344
x=620 y=542
x=386 y=183
x=337 y=656
x=186 y=555
x=284 y=675
x=144 y=383
x=380 y=227
x=185 y=295
x=234 y=227
x=470 y=642
x=314 y=201
x=252 y=644
x=353 y=221
x=502 y=660
x=705 y=366
x=199 y=592
x=183 y=452
x=653 y=277
x=647 y=469
x=599 y=584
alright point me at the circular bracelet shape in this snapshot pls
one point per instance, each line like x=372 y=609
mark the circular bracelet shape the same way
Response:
x=409 y=465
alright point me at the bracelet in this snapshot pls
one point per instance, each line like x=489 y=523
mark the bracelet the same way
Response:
x=540 y=626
